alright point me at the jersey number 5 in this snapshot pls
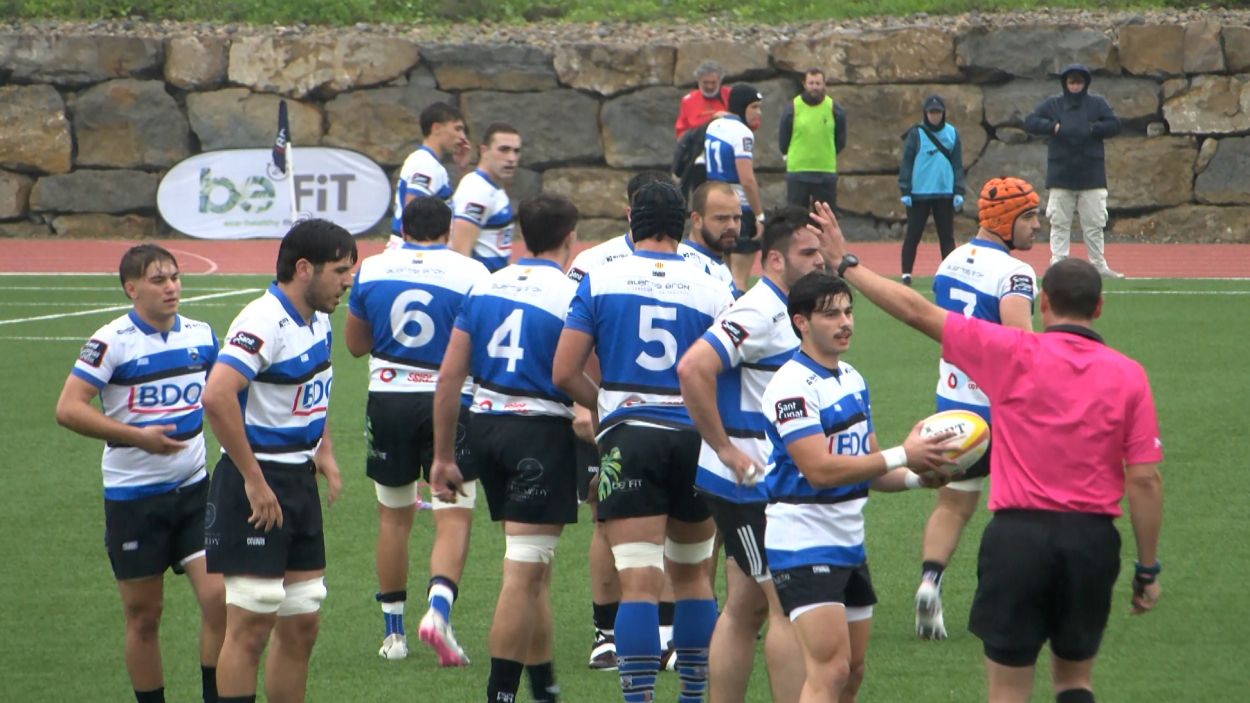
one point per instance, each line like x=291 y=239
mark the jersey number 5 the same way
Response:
x=505 y=343
x=648 y=315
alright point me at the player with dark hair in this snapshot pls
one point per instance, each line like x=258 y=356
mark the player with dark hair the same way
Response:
x=148 y=368
x=639 y=314
x=482 y=226
x=423 y=172
x=267 y=401
x=825 y=459
x=729 y=147
x=521 y=437
x=402 y=308
x=715 y=221
x=722 y=377
x=1050 y=556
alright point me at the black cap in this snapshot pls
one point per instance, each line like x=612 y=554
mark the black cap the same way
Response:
x=657 y=210
x=740 y=97
x=934 y=102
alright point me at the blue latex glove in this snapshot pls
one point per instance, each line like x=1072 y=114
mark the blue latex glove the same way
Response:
x=959 y=201
x=906 y=200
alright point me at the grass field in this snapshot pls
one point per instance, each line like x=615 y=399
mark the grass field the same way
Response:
x=61 y=624
x=345 y=12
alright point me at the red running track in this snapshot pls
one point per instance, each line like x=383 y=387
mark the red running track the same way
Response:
x=257 y=257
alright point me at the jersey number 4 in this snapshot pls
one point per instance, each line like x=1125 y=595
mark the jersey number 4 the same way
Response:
x=648 y=331
x=505 y=343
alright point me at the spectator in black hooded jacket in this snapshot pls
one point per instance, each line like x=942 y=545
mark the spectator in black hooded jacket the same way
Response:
x=1076 y=173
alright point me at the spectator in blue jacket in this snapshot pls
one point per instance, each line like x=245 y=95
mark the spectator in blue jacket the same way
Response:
x=1076 y=171
x=931 y=180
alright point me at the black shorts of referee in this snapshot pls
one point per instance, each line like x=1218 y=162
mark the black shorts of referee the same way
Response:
x=1044 y=577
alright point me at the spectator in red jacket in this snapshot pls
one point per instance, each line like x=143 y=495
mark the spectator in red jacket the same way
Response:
x=708 y=101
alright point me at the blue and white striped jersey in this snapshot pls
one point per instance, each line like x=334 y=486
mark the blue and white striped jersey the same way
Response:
x=714 y=265
x=808 y=525
x=514 y=319
x=728 y=139
x=480 y=201
x=973 y=280
x=753 y=339
x=148 y=377
x=421 y=174
x=644 y=312
x=287 y=361
x=410 y=297
x=622 y=246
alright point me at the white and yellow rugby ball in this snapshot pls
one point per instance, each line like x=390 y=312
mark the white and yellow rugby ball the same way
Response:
x=969 y=439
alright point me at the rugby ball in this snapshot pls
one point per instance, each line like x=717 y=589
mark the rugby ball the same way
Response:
x=970 y=437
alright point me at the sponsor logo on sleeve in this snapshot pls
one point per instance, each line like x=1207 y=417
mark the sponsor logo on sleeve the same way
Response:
x=577 y=275
x=475 y=212
x=92 y=353
x=421 y=180
x=1022 y=283
x=735 y=332
x=247 y=341
x=791 y=409
x=748 y=144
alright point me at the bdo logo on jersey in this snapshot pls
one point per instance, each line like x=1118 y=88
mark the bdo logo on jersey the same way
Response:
x=849 y=443
x=164 y=397
x=311 y=398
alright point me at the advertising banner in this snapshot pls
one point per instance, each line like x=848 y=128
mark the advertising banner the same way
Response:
x=240 y=194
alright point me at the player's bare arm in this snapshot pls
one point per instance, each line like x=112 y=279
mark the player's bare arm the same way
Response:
x=1143 y=485
x=358 y=335
x=568 y=369
x=225 y=417
x=463 y=236
x=750 y=187
x=74 y=411
x=328 y=466
x=1016 y=311
x=697 y=373
x=445 y=478
x=824 y=470
x=898 y=300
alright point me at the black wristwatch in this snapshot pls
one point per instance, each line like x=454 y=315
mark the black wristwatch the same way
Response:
x=1146 y=575
x=848 y=260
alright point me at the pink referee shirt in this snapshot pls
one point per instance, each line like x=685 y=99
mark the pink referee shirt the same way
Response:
x=1069 y=413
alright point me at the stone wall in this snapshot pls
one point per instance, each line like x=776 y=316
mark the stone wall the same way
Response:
x=89 y=123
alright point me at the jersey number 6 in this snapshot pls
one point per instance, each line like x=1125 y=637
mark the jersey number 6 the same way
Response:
x=402 y=316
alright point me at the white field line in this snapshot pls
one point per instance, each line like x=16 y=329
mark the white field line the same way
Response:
x=116 y=308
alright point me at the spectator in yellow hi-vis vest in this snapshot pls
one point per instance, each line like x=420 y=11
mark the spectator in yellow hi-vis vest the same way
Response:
x=813 y=131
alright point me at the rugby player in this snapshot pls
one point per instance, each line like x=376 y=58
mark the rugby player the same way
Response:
x=825 y=459
x=401 y=311
x=722 y=378
x=729 y=147
x=148 y=368
x=639 y=314
x=423 y=172
x=482 y=226
x=267 y=400
x=521 y=437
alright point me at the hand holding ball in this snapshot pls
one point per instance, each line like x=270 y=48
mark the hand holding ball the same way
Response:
x=968 y=438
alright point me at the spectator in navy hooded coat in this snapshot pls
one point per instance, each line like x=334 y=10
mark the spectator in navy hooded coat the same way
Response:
x=1076 y=173
x=931 y=180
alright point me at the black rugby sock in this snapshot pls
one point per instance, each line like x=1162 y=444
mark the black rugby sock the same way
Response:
x=208 y=683
x=156 y=695
x=934 y=568
x=605 y=615
x=504 y=681
x=543 y=687
x=1075 y=695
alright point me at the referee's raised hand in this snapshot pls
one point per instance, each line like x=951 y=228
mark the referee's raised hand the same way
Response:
x=266 y=512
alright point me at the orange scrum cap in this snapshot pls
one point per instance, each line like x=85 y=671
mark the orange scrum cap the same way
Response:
x=1002 y=202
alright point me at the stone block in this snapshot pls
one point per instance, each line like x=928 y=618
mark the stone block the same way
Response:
x=740 y=61
x=503 y=67
x=1203 y=51
x=94 y=190
x=14 y=195
x=196 y=62
x=382 y=123
x=234 y=118
x=104 y=226
x=597 y=192
x=1153 y=49
x=1210 y=105
x=556 y=126
x=1146 y=173
x=1187 y=223
x=36 y=134
x=608 y=69
x=78 y=59
x=128 y=123
x=1223 y=181
x=898 y=55
x=991 y=53
x=327 y=64
x=637 y=128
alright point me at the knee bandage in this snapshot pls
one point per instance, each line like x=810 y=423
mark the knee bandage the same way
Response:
x=396 y=497
x=466 y=501
x=638 y=555
x=689 y=553
x=858 y=613
x=303 y=597
x=255 y=595
x=967 y=485
x=530 y=549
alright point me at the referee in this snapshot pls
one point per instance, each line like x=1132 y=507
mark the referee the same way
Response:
x=1074 y=430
